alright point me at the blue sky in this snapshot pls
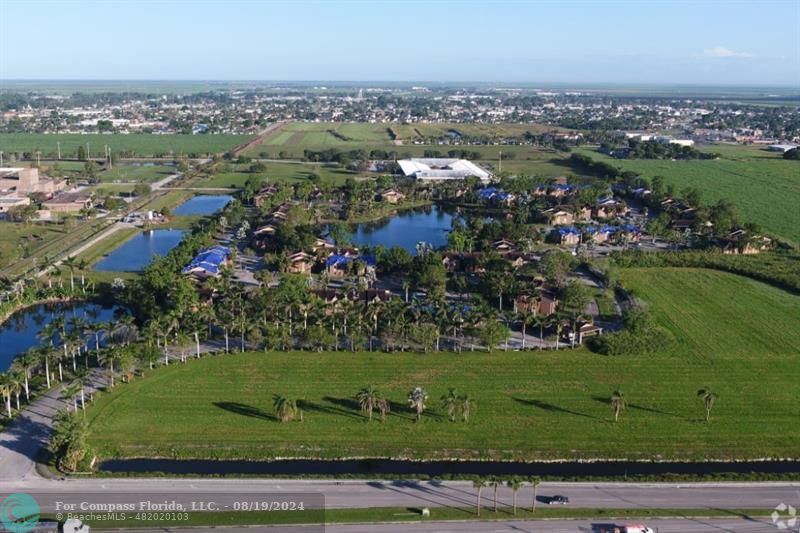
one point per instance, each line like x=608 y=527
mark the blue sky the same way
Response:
x=710 y=42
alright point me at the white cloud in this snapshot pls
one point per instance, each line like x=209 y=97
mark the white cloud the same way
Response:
x=721 y=51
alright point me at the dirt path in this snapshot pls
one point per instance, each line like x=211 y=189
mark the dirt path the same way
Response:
x=242 y=148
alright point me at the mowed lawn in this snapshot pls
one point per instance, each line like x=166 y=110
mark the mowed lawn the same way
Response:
x=281 y=172
x=140 y=144
x=763 y=186
x=137 y=173
x=735 y=335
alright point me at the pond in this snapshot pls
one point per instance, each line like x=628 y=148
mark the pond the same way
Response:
x=137 y=253
x=19 y=332
x=405 y=229
x=391 y=467
x=203 y=204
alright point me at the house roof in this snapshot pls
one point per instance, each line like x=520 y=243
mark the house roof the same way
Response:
x=208 y=260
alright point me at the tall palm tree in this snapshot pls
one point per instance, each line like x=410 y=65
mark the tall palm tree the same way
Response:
x=416 y=399
x=71 y=263
x=541 y=322
x=514 y=484
x=451 y=403
x=285 y=408
x=368 y=399
x=478 y=484
x=525 y=319
x=535 y=481
x=26 y=363
x=708 y=397
x=81 y=380
x=495 y=483
x=6 y=388
x=617 y=403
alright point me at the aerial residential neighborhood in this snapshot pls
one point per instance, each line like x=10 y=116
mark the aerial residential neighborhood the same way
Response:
x=278 y=267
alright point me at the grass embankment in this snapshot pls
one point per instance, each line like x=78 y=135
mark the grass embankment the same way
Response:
x=107 y=245
x=762 y=185
x=413 y=515
x=733 y=334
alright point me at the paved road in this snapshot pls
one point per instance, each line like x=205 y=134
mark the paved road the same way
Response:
x=687 y=525
x=359 y=493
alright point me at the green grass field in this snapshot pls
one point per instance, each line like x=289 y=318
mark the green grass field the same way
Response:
x=287 y=171
x=14 y=238
x=136 y=173
x=296 y=137
x=140 y=144
x=735 y=335
x=764 y=187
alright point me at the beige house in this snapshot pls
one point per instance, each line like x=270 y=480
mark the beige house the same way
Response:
x=70 y=202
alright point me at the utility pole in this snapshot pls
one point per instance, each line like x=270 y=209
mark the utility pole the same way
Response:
x=1 y=158
x=88 y=156
x=38 y=158
x=58 y=144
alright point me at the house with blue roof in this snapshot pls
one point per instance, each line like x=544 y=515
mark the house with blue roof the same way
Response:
x=208 y=262
x=338 y=265
x=566 y=236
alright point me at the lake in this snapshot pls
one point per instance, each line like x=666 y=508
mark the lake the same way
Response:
x=203 y=204
x=405 y=229
x=137 y=253
x=18 y=333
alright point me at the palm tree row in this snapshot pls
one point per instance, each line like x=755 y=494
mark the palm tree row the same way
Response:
x=514 y=483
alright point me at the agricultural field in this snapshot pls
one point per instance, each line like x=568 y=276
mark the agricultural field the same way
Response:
x=764 y=187
x=294 y=138
x=733 y=334
x=142 y=145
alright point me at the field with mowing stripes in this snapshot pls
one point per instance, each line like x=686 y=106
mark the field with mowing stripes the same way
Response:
x=733 y=334
x=763 y=186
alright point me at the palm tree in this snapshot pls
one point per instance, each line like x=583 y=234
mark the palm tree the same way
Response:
x=108 y=357
x=541 y=321
x=478 y=484
x=285 y=408
x=70 y=393
x=6 y=388
x=383 y=407
x=495 y=482
x=406 y=286
x=27 y=363
x=16 y=380
x=81 y=380
x=617 y=403
x=46 y=353
x=416 y=399
x=534 y=481
x=71 y=263
x=525 y=318
x=466 y=403
x=514 y=484
x=450 y=401
x=368 y=398
x=708 y=397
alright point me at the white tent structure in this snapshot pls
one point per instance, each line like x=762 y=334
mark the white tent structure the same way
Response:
x=441 y=169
